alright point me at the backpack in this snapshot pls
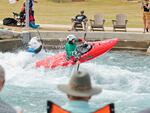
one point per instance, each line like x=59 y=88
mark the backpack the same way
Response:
x=9 y=22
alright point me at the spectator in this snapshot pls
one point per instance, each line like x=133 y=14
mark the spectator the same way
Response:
x=79 y=91
x=31 y=13
x=145 y=111
x=4 y=107
x=146 y=15
x=79 y=19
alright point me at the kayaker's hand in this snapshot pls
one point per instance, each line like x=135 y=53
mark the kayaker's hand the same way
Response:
x=78 y=62
x=85 y=42
x=81 y=40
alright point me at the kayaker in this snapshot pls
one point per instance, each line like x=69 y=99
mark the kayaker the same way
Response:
x=34 y=46
x=79 y=91
x=70 y=47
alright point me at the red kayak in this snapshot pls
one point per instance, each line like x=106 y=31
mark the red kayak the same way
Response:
x=87 y=52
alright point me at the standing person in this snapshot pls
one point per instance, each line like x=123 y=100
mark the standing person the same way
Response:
x=79 y=91
x=79 y=19
x=146 y=15
x=31 y=13
x=4 y=107
x=71 y=46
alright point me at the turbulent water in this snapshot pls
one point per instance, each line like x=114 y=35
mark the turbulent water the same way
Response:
x=124 y=77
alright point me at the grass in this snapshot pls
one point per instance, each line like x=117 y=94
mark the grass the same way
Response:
x=48 y=12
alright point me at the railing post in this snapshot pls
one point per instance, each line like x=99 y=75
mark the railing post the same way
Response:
x=27 y=13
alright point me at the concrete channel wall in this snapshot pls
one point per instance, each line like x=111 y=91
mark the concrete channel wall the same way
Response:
x=10 y=44
x=9 y=40
x=56 y=39
x=127 y=40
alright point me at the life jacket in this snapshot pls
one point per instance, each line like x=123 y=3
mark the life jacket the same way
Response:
x=53 y=108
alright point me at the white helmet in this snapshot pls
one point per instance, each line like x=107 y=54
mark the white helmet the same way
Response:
x=71 y=37
x=34 y=43
x=34 y=38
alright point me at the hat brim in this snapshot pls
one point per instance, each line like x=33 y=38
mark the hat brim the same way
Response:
x=66 y=89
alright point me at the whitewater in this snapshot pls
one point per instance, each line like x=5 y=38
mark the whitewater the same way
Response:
x=124 y=77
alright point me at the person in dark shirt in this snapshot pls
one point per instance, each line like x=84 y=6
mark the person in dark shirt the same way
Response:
x=80 y=19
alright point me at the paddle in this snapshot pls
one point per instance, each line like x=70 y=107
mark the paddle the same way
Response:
x=85 y=35
x=78 y=64
x=41 y=39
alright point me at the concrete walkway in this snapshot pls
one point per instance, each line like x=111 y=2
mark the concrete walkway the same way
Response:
x=67 y=27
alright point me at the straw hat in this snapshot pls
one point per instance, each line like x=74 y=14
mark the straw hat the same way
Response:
x=79 y=85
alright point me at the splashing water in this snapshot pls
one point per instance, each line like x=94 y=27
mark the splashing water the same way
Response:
x=124 y=77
